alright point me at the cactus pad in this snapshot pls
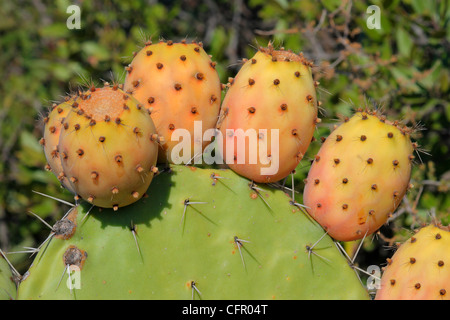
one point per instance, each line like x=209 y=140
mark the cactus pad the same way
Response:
x=200 y=234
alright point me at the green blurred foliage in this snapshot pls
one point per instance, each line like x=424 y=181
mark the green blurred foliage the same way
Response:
x=401 y=68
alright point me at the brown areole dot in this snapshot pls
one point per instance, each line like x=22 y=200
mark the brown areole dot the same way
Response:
x=151 y=100
x=336 y=161
x=369 y=161
x=392 y=282
x=438 y=236
x=345 y=181
x=297 y=74
x=283 y=106
x=118 y=159
x=316 y=181
x=199 y=76
x=345 y=206
x=440 y=263
x=171 y=126
x=395 y=163
x=251 y=109
x=417 y=286
x=102 y=139
x=363 y=138
x=159 y=65
x=251 y=81
x=74 y=257
x=390 y=135
x=442 y=292
x=374 y=187
x=183 y=57
x=94 y=175
x=276 y=82
x=338 y=137
x=412 y=260
x=177 y=86
x=80 y=152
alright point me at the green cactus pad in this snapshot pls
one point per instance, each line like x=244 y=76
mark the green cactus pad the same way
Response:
x=200 y=234
x=8 y=289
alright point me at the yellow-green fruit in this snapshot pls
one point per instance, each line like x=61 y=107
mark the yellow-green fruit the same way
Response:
x=359 y=176
x=420 y=268
x=108 y=147
x=273 y=100
x=179 y=85
x=50 y=140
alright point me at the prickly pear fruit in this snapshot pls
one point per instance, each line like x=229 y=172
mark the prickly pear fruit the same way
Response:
x=274 y=90
x=227 y=240
x=8 y=290
x=108 y=147
x=359 y=176
x=420 y=268
x=179 y=84
x=50 y=140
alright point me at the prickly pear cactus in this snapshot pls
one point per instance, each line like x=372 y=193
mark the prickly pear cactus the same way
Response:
x=274 y=90
x=178 y=83
x=359 y=176
x=201 y=234
x=8 y=289
x=108 y=147
x=420 y=268
x=50 y=140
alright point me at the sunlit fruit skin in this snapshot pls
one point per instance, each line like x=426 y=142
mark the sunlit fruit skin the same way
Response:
x=179 y=84
x=359 y=176
x=50 y=140
x=273 y=91
x=108 y=147
x=420 y=268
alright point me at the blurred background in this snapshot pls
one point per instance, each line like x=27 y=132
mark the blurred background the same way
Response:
x=401 y=67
